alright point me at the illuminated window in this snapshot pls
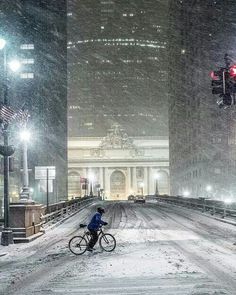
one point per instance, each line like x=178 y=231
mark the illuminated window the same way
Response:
x=27 y=75
x=28 y=61
x=27 y=46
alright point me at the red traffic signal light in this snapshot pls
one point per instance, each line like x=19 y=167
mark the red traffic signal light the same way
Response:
x=215 y=75
x=232 y=71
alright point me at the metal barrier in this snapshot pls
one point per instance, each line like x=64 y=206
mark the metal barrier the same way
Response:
x=62 y=209
x=214 y=207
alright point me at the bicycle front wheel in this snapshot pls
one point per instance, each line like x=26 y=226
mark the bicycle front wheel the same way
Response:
x=78 y=245
x=107 y=242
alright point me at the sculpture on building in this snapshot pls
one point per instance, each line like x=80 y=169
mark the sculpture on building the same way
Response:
x=117 y=139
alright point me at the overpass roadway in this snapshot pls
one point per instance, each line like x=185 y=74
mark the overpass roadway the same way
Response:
x=160 y=250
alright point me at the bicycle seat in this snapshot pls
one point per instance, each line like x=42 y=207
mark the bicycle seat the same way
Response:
x=82 y=225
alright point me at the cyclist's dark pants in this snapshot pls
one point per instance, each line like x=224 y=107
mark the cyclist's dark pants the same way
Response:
x=94 y=238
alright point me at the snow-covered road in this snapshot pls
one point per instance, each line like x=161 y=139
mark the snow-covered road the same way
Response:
x=160 y=250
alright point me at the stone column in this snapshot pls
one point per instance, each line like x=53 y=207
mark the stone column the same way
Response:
x=151 y=182
x=145 y=180
x=150 y=188
x=128 y=185
x=101 y=177
x=134 y=185
x=107 y=183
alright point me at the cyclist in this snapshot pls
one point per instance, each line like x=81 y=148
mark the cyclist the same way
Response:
x=93 y=227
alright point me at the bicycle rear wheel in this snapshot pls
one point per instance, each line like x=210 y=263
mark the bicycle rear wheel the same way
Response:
x=78 y=245
x=107 y=242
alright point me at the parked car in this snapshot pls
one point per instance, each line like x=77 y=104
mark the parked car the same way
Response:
x=139 y=199
x=131 y=197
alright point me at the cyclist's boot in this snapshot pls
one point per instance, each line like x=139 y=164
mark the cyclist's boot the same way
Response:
x=89 y=249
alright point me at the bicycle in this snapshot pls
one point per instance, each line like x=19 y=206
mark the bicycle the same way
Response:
x=78 y=244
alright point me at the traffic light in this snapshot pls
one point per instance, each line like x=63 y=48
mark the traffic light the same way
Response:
x=222 y=86
x=218 y=82
x=232 y=72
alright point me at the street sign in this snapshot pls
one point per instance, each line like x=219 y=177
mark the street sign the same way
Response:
x=41 y=172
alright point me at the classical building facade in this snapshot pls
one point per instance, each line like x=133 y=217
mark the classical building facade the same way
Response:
x=118 y=165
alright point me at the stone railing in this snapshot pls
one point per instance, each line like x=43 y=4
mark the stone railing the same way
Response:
x=63 y=209
x=214 y=207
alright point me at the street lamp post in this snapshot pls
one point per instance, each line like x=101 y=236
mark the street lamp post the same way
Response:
x=91 y=179
x=208 y=189
x=156 y=177
x=25 y=194
x=141 y=186
x=7 y=234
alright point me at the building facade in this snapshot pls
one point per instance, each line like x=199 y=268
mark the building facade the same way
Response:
x=202 y=136
x=36 y=36
x=117 y=67
x=118 y=165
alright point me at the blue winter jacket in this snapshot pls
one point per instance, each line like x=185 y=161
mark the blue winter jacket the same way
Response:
x=96 y=222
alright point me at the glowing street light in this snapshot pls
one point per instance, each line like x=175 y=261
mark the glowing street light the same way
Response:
x=14 y=65
x=25 y=135
x=2 y=43
x=186 y=193
x=208 y=188
x=228 y=201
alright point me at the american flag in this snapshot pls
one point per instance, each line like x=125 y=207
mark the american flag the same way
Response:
x=22 y=116
x=8 y=114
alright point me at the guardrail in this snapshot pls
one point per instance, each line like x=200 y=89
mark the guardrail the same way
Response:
x=62 y=209
x=214 y=207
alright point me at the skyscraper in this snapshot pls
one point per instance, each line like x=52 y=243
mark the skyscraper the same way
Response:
x=36 y=32
x=202 y=136
x=117 y=67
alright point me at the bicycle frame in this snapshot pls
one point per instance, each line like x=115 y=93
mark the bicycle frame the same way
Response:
x=87 y=234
